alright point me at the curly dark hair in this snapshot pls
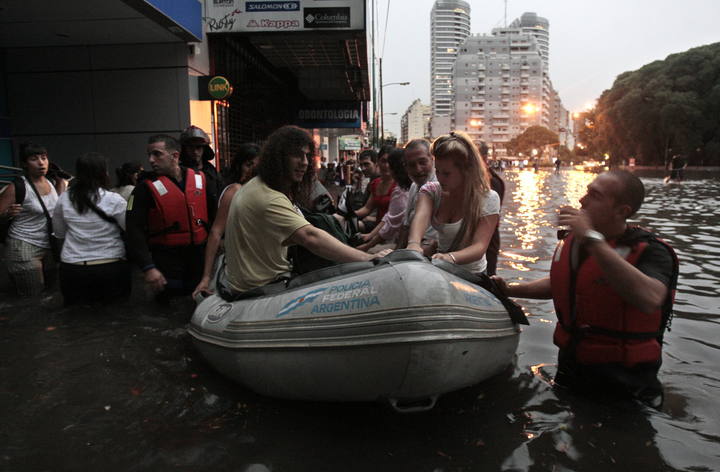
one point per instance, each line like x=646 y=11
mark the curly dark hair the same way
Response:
x=273 y=166
x=246 y=152
x=397 y=168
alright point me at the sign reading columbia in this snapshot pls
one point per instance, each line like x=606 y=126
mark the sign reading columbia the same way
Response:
x=327 y=17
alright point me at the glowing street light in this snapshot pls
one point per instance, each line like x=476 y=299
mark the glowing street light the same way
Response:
x=530 y=108
x=475 y=123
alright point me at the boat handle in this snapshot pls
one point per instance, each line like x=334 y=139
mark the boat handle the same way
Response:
x=414 y=406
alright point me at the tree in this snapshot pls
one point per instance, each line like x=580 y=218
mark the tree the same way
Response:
x=535 y=137
x=664 y=108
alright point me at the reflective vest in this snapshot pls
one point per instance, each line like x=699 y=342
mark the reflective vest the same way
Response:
x=178 y=219
x=594 y=322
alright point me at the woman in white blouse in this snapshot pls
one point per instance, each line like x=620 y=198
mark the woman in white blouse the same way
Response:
x=27 y=249
x=91 y=221
x=460 y=205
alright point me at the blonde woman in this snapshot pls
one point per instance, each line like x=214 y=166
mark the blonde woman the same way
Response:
x=460 y=205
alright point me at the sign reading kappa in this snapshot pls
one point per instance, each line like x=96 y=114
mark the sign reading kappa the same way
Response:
x=338 y=17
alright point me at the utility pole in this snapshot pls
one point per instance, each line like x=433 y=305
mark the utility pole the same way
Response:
x=382 y=115
x=374 y=86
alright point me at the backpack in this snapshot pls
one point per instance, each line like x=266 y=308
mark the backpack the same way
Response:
x=19 y=184
x=305 y=261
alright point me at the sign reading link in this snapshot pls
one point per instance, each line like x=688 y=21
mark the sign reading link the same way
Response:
x=219 y=88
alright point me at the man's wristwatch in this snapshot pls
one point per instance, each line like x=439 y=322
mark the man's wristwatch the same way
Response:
x=592 y=236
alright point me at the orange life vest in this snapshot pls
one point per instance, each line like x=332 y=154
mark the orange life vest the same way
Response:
x=594 y=322
x=178 y=219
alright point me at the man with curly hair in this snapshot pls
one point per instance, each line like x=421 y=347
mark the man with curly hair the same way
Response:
x=264 y=218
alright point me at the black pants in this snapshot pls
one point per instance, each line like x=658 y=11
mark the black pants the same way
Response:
x=182 y=267
x=94 y=283
x=639 y=382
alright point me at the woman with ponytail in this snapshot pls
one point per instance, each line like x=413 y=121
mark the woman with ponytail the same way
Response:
x=91 y=220
x=460 y=205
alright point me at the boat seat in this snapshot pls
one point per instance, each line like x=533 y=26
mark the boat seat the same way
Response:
x=328 y=272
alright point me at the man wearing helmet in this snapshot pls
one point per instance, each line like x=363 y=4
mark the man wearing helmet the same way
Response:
x=196 y=154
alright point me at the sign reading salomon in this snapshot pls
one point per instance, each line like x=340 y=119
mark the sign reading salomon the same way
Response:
x=231 y=16
x=271 y=6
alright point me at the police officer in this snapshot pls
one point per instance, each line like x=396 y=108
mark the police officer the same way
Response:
x=196 y=154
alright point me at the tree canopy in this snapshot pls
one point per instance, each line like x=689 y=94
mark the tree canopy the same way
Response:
x=664 y=108
x=534 y=137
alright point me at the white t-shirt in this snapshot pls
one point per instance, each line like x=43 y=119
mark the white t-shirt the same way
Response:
x=87 y=236
x=448 y=231
x=30 y=225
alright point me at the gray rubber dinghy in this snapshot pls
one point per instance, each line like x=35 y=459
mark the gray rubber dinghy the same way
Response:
x=398 y=329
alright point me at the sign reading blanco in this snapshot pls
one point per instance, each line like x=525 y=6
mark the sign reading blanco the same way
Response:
x=272 y=6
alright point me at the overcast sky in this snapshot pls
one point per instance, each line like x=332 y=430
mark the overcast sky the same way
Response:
x=591 y=42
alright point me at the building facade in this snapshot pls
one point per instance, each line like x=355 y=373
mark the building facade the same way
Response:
x=502 y=85
x=415 y=122
x=449 y=27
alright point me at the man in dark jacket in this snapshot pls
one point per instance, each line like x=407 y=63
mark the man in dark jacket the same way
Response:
x=497 y=184
x=196 y=154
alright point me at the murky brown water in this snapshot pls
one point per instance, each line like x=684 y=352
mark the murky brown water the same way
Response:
x=121 y=388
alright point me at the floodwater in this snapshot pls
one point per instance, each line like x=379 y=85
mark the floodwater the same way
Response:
x=121 y=387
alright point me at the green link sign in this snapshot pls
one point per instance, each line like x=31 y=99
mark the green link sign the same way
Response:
x=219 y=88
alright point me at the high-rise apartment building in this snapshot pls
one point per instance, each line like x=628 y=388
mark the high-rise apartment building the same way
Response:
x=502 y=85
x=415 y=122
x=539 y=28
x=449 y=27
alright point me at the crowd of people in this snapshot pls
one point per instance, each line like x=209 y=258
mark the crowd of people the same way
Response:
x=612 y=283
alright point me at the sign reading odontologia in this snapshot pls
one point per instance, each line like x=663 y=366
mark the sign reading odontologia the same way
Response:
x=329 y=115
x=230 y=16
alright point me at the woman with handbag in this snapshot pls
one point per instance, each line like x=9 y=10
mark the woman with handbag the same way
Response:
x=91 y=221
x=27 y=205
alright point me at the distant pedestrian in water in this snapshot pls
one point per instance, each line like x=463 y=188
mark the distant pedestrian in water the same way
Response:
x=613 y=287
x=677 y=168
x=28 y=204
x=127 y=176
x=91 y=221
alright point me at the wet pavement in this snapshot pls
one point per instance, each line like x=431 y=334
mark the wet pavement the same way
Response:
x=121 y=387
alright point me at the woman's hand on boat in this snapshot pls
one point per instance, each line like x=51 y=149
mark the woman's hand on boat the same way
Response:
x=444 y=256
x=501 y=283
x=203 y=288
x=382 y=253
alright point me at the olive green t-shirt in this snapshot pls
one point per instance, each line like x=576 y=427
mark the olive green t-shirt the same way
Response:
x=260 y=221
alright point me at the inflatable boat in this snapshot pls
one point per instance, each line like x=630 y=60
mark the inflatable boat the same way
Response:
x=398 y=329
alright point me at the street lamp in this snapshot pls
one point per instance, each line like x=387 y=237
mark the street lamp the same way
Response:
x=382 y=115
x=382 y=86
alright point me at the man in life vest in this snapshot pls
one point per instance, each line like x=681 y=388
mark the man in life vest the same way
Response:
x=196 y=154
x=613 y=287
x=167 y=221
